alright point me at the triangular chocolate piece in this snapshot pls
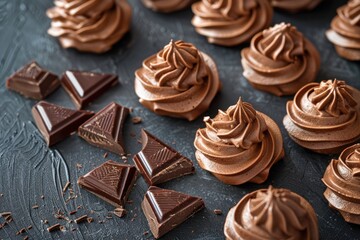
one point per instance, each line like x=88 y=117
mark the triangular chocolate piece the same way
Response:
x=165 y=209
x=84 y=87
x=158 y=162
x=55 y=122
x=105 y=129
x=33 y=81
x=111 y=182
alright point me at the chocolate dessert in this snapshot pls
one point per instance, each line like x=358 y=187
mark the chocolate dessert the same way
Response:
x=231 y=22
x=167 y=6
x=84 y=87
x=295 y=6
x=345 y=31
x=271 y=213
x=105 y=128
x=55 y=122
x=342 y=178
x=239 y=145
x=165 y=209
x=89 y=26
x=324 y=117
x=158 y=162
x=111 y=181
x=33 y=81
x=179 y=81
x=280 y=60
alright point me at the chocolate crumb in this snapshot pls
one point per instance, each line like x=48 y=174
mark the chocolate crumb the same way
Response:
x=73 y=229
x=217 y=211
x=62 y=228
x=66 y=186
x=146 y=233
x=81 y=219
x=78 y=207
x=45 y=221
x=1 y=194
x=136 y=120
x=54 y=227
x=26 y=238
x=78 y=165
x=29 y=227
x=73 y=212
x=42 y=196
x=119 y=212
x=123 y=157
x=90 y=219
x=21 y=231
x=105 y=155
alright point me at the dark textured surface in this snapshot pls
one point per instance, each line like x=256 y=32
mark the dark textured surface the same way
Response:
x=29 y=169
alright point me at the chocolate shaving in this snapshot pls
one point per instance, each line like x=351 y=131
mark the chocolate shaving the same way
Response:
x=66 y=186
x=81 y=219
x=119 y=212
x=35 y=206
x=73 y=212
x=29 y=227
x=105 y=155
x=136 y=120
x=21 y=231
x=217 y=211
x=26 y=238
x=54 y=228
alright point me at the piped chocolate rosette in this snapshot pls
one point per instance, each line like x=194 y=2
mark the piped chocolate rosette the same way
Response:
x=342 y=179
x=295 y=6
x=280 y=60
x=179 y=81
x=345 y=31
x=325 y=117
x=271 y=213
x=89 y=25
x=167 y=6
x=231 y=22
x=239 y=145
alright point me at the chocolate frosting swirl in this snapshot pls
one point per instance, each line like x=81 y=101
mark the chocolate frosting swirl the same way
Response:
x=89 y=25
x=324 y=117
x=179 y=81
x=280 y=60
x=167 y=6
x=345 y=31
x=239 y=145
x=231 y=22
x=295 y=6
x=272 y=214
x=342 y=179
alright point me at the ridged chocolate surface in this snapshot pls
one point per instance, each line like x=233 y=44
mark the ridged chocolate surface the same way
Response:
x=105 y=128
x=111 y=182
x=165 y=209
x=158 y=162
x=55 y=122
x=167 y=6
x=33 y=81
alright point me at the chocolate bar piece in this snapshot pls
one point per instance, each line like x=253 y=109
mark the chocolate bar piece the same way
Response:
x=165 y=209
x=105 y=129
x=111 y=182
x=55 y=122
x=32 y=81
x=158 y=162
x=84 y=87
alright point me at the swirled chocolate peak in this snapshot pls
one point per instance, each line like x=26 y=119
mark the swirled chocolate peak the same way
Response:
x=179 y=81
x=167 y=6
x=231 y=22
x=239 y=145
x=280 y=60
x=89 y=25
x=342 y=179
x=324 y=117
x=272 y=214
x=295 y=6
x=345 y=31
